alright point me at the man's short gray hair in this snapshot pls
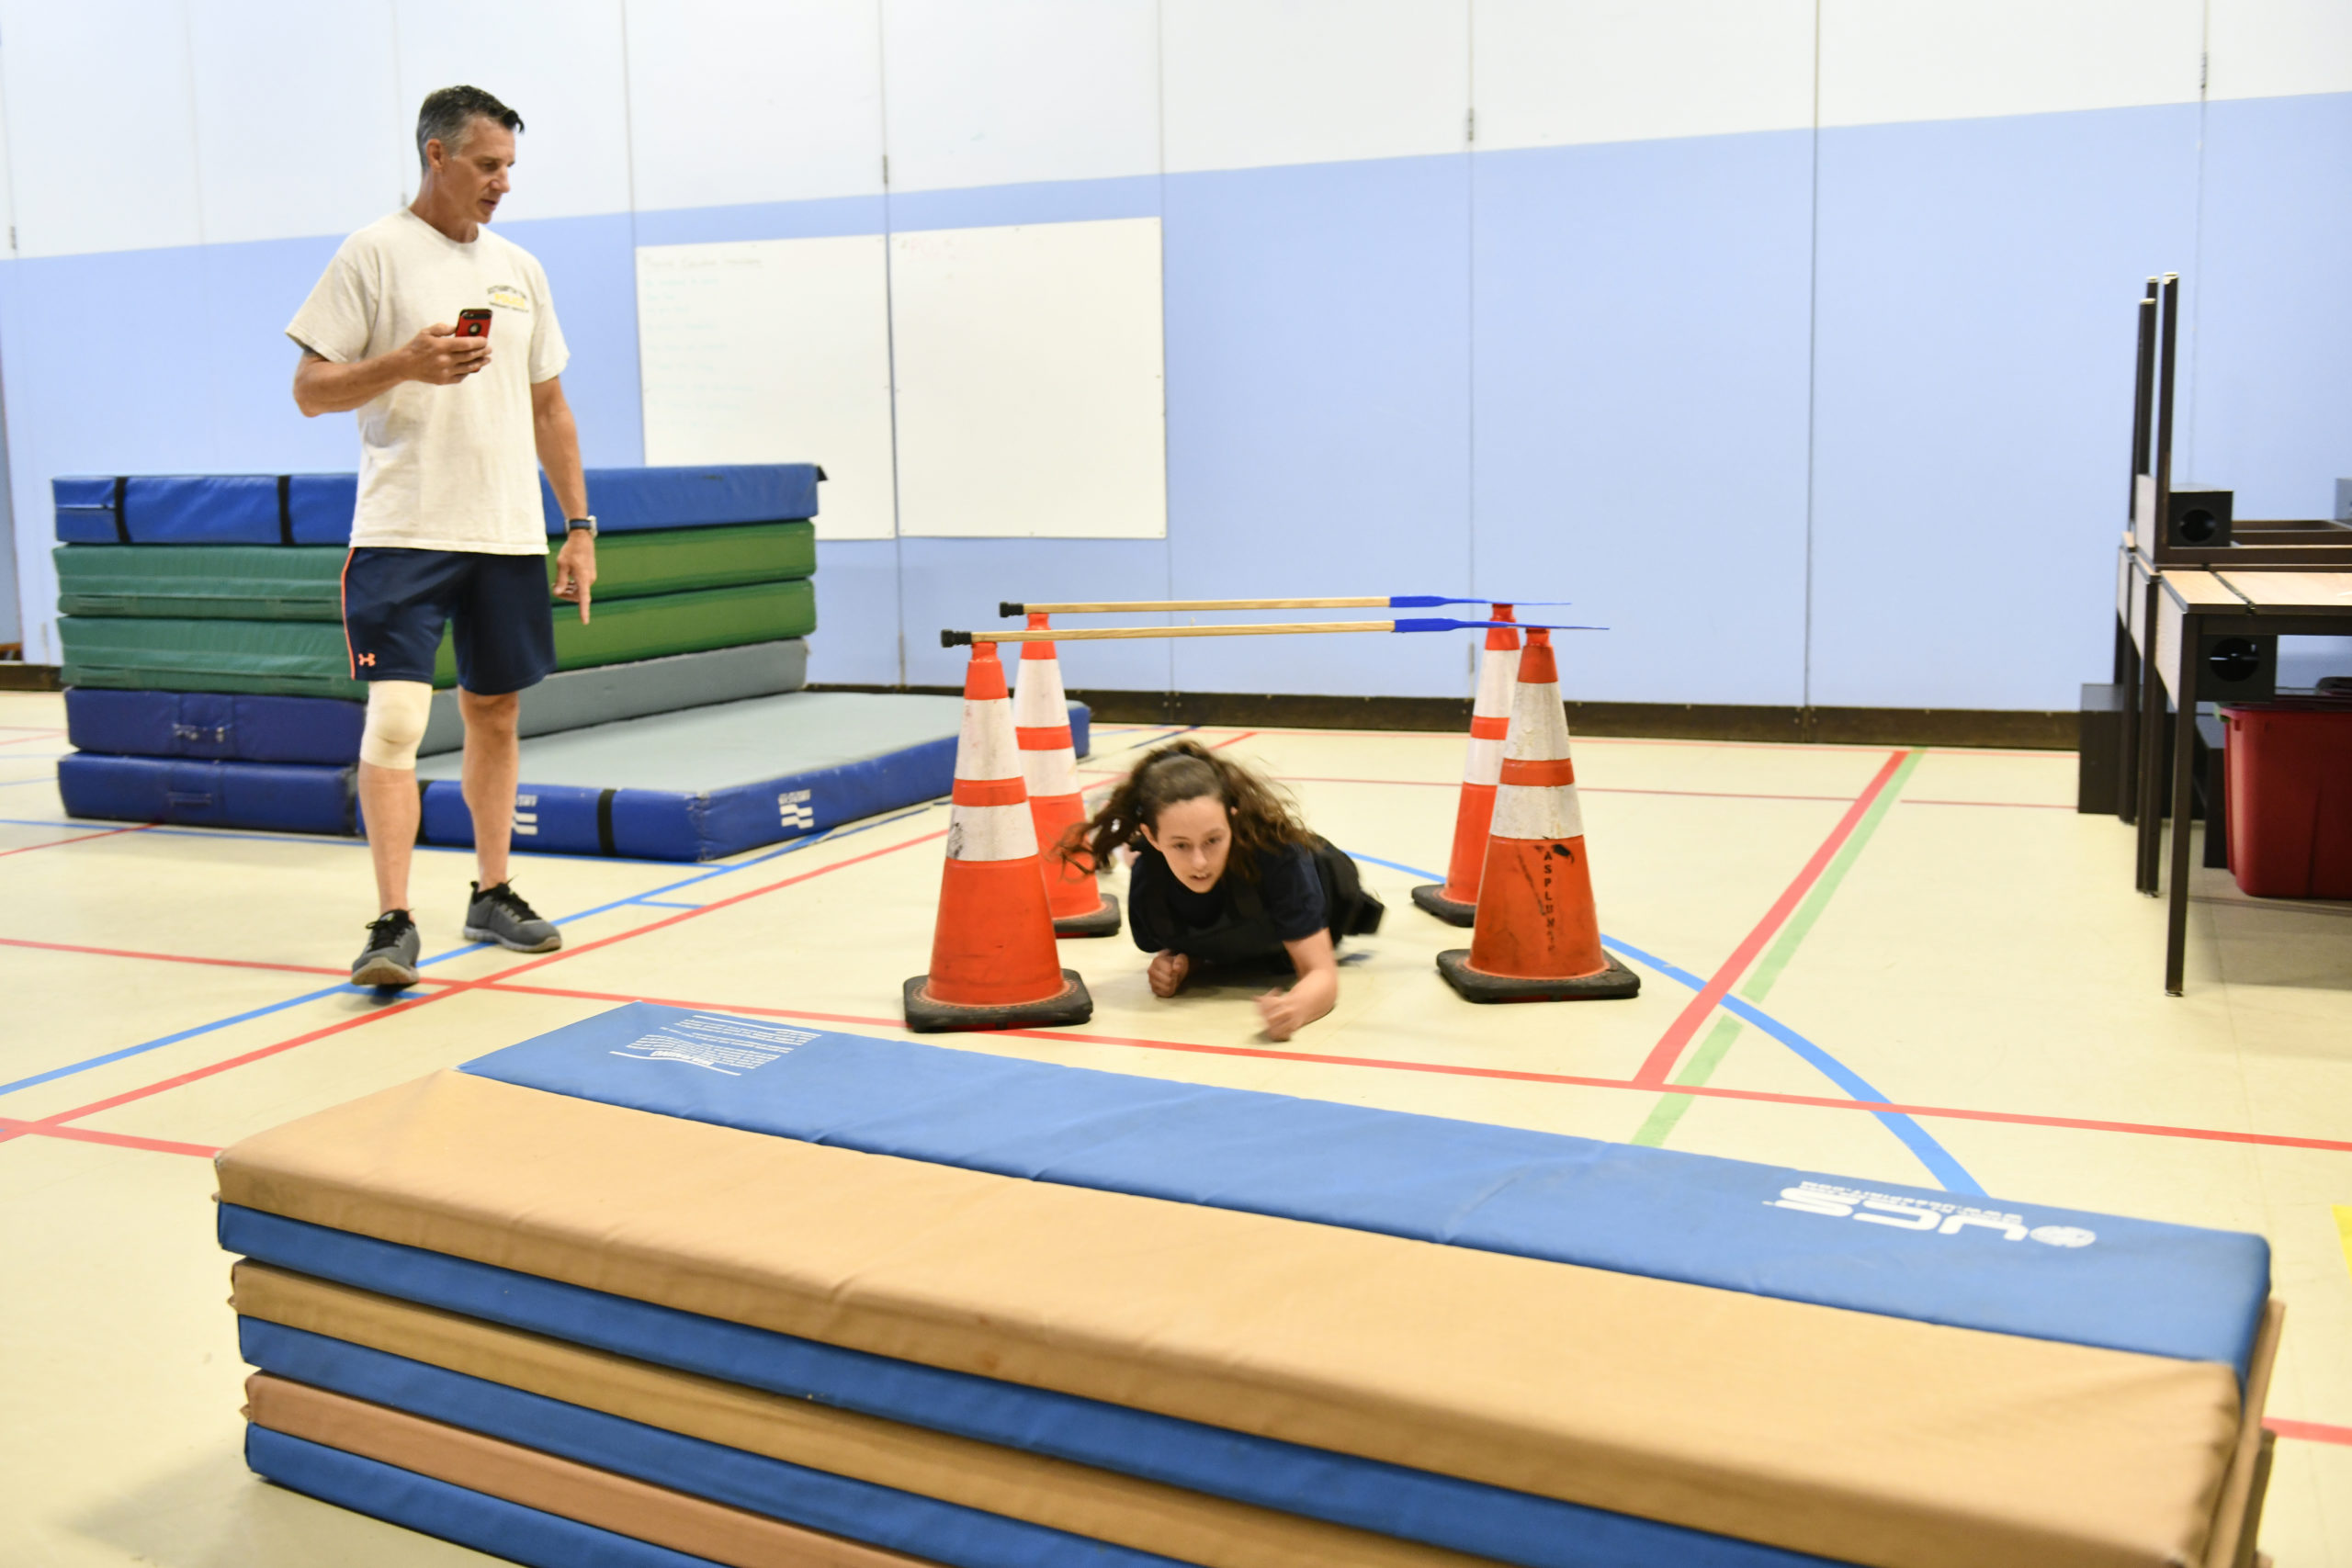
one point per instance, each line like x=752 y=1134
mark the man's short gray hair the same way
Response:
x=447 y=114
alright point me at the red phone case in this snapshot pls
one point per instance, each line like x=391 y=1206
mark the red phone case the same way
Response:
x=473 y=323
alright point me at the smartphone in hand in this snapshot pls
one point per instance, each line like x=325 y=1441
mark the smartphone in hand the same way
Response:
x=473 y=323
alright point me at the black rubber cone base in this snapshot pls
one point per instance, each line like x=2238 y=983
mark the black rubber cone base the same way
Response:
x=1430 y=896
x=1105 y=921
x=1612 y=984
x=926 y=1016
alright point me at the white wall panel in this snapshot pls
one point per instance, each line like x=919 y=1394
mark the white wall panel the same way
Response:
x=101 y=124
x=1030 y=386
x=1020 y=90
x=1908 y=60
x=774 y=351
x=556 y=63
x=1255 y=83
x=267 y=68
x=1546 y=72
x=2273 y=47
x=740 y=101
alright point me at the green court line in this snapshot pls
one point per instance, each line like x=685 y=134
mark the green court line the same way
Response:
x=1761 y=980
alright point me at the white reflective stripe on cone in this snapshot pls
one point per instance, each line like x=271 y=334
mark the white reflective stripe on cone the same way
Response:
x=1050 y=772
x=991 y=832
x=986 y=748
x=1497 y=678
x=1485 y=764
x=1038 y=701
x=1539 y=726
x=1546 y=812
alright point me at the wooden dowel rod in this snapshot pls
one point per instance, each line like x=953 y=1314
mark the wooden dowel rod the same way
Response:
x=1107 y=633
x=1144 y=606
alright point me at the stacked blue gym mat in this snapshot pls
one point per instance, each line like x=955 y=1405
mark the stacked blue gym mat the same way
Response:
x=345 y=1209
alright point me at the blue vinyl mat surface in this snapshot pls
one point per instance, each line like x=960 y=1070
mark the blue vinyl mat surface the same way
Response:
x=693 y=785
x=714 y=781
x=316 y=509
x=1413 y=1505
x=814 y=1499
x=1988 y=1264
x=215 y=726
x=285 y=798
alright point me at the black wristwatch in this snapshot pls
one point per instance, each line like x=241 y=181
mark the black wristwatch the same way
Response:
x=588 y=523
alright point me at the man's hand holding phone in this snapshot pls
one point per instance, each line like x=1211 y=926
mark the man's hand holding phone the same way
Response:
x=443 y=356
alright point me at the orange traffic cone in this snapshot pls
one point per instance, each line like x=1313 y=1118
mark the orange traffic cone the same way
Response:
x=1049 y=761
x=1537 y=939
x=1455 y=901
x=993 y=959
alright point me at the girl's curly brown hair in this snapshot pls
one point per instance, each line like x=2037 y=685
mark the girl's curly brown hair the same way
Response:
x=1259 y=810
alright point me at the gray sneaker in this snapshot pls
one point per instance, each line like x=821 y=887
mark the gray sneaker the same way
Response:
x=390 y=958
x=498 y=915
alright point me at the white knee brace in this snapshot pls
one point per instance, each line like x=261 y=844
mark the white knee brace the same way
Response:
x=397 y=711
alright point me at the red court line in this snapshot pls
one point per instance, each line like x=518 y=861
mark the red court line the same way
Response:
x=2310 y=1431
x=1231 y=739
x=27 y=740
x=79 y=838
x=115 y=1139
x=1583 y=788
x=166 y=957
x=453 y=987
x=1670 y=1045
x=47 y=1124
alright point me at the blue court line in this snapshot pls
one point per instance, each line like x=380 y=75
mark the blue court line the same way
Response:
x=46 y=779
x=665 y=904
x=1931 y=1154
x=218 y=1024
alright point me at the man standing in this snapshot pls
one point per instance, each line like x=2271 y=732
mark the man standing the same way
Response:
x=448 y=527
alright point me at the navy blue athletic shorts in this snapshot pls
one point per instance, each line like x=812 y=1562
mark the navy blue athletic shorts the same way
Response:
x=395 y=603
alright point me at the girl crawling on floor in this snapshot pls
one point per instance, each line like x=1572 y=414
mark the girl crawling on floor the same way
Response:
x=1227 y=880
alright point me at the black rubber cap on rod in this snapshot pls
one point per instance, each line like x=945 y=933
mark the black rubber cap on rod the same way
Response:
x=955 y=639
x=1005 y=607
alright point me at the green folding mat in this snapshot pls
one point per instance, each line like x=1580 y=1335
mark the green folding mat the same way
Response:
x=303 y=582
x=307 y=658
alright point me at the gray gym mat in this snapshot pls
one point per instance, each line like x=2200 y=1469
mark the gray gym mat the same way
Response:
x=707 y=748
x=575 y=699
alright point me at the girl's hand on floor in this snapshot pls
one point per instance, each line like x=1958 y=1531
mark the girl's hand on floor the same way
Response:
x=1285 y=1013
x=1168 y=972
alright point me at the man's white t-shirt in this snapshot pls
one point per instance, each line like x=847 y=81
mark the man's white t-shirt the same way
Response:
x=442 y=468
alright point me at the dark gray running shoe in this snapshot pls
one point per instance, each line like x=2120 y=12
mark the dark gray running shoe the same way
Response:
x=498 y=915
x=390 y=958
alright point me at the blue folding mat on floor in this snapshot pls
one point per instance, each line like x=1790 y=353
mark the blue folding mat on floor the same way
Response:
x=716 y=781
x=289 y=798
x=316 y=509
x=2007 y=1267
x=697 y=784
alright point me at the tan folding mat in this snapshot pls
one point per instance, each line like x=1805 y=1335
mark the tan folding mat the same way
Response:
x=692 y=1524
x=1097 y=1504
x=1864 y=1439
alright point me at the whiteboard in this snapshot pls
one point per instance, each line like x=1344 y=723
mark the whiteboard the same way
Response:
x=1031 y=399
x=774 y=351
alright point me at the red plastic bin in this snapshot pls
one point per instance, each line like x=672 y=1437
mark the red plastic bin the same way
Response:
x=2290 y=797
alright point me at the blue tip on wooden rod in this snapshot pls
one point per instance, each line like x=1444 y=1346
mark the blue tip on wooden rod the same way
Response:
x=1152 y=606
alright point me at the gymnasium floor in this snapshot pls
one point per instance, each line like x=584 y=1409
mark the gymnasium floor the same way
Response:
x=1934 y=929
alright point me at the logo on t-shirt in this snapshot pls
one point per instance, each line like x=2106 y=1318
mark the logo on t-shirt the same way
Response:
x=507 y=297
